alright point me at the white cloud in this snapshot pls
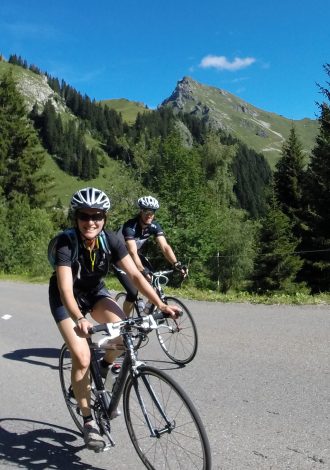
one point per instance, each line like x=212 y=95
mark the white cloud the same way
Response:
x=222 y=63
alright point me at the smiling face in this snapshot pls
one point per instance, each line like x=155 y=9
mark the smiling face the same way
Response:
x=90 y=222
x=147 y=216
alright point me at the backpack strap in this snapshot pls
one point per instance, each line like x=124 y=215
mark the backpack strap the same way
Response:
x=72 y=234
x=52 y=246
x=103 y=240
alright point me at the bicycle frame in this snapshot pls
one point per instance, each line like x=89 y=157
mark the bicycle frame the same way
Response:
x=130 y=365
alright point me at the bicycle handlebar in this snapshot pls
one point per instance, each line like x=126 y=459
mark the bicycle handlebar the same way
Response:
x=163 y=273
x=114 y=329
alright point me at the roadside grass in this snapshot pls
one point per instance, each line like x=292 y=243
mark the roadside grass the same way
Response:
x=193 y=293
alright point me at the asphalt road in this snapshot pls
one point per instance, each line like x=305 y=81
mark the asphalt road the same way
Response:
x=260 y=381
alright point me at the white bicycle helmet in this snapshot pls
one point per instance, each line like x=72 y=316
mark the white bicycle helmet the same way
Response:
x=148 y=202
x=89 y=198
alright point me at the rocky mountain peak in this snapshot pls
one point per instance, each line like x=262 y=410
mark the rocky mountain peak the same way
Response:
x=261 y=130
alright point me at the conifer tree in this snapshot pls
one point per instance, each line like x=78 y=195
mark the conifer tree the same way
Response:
x=276 y=264
x=217 y=161
x=21 y=155
x=317 y=194
x=289 y=179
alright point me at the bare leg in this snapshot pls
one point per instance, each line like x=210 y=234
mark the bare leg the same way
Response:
x=80 y=355
x=104 y=311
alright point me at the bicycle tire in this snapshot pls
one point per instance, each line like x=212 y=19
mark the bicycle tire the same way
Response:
x=186 y=444
x=65 y=366
x=180 y=341
x=120 y=297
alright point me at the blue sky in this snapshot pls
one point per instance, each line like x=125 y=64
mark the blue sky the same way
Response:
x=269 y=53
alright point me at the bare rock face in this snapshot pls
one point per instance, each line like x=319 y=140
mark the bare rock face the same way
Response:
x=36 y=90
x=182 y=94
x=261 y=130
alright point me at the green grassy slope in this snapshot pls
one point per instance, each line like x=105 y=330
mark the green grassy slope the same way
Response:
x=128 y=109
x=114 y=177
x=263 y=131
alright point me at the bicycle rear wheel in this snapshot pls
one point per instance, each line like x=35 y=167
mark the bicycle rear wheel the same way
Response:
x=65 y=366
x=178 y=338
x=177 y=438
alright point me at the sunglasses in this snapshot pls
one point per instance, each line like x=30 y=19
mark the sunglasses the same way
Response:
x=97 y=217
x=148 y=212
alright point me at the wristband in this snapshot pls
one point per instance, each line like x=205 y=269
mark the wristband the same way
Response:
x=78 y=319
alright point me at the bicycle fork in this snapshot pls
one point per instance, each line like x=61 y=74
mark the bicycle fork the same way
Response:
x=169 y=426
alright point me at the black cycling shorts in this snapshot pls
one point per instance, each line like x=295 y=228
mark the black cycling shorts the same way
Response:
x=85 y=301
x=131 y=290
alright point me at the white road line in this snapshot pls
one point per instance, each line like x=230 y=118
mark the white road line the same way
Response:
x=6 y=317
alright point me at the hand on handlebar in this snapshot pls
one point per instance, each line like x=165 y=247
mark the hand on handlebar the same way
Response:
x=181 y=268
x=172 y=310
x=82 y=328
x=147 y=274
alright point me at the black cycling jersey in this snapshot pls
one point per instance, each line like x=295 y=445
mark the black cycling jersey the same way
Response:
x=87 y=275
x=132 y=230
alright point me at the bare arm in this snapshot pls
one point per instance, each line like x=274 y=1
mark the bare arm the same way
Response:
x=132 y=250
x=170 y=256
x=127 y=265
x=166 y=249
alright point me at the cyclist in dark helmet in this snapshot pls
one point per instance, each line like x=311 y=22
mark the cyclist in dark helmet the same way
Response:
x=136 y=233
x=77 y=287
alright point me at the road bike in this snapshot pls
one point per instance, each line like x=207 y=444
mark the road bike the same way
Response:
x=178 y=338
x=163 y=424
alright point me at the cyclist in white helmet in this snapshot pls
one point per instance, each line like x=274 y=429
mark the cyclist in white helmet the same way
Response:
x=76 y=288
x=136 y=232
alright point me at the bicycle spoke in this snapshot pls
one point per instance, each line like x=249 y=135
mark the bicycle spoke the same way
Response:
x=183 y=443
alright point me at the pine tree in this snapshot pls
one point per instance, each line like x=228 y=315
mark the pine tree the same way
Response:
x=289 y=179
x=276 y=264
x=21 y=156
x=217 y=161
x=317 y=195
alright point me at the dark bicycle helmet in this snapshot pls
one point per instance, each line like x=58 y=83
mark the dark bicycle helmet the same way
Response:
x=148 y=202
x=89 y=198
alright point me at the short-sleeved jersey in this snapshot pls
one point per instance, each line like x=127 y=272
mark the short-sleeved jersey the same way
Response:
x=132 y=230
x=87 y=277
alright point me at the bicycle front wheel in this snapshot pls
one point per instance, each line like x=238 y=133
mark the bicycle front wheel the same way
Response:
x=163 y=424
x=65 y=367
x=178 y=338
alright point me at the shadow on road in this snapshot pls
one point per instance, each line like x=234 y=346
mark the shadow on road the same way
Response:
x=26 y=355
x=29 y=355
x=39 y=445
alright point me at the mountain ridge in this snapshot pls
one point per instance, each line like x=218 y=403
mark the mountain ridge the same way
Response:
x=261 y=130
